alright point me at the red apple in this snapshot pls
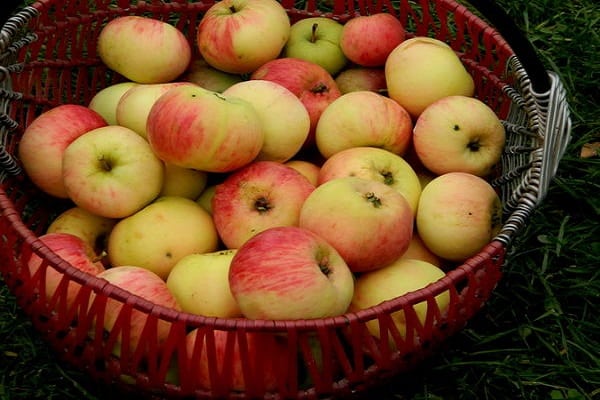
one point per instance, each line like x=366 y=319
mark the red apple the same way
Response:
x=73 y=250
x=45 y=140
x=262 y=195
x=192 y=127
x=290 y=273
x=238 y=36
x=367 y=40
x=368 y=222
x=362 y=78
x=313 y=85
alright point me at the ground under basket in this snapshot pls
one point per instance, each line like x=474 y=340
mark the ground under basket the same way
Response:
x=48 y=57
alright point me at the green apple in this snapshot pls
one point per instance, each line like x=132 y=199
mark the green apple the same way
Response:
x=200 y=283
x=105 y=100
x=459 y=213
x=394 y=280
x=111 y=171
x=376 y=164
x=317 y=39
x=203 y=74
x=459 y=133
x=284 y=118
x=160 y=234
x=205 y=198
x=421 y=70
x=183 y=182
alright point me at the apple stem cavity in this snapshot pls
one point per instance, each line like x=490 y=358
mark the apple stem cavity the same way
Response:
x=388 y=177
x=105 y=164
x=320 y=88
x=232 y=9
x=474 y=145
x=373 y=199
x=262 y=205
x=313 y=36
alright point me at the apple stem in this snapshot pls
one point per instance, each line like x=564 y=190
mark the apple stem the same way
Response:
x=105 y=164
x=320 y=88
x=388 y=177
x=474 y=145
x=313 y=36
x=100 y=256
x=262 y=205
x=232 y=9
x=374 y=200
x=323 y=266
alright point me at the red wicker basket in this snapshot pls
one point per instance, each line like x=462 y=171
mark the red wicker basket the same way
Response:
x=48 y=57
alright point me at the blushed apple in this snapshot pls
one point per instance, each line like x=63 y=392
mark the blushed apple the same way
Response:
x=183 y=182
x=369 y=223
x=105 y=100
x=317 y=39
x=73 y=250
x=238 y=36
x=147 y=285
x=91 y=228
x=394 y=280
x=111 y=171
x=203 y=74
x=421 y=70
x=459 y=213
x=310 y=82
x=200 y=284
x=262 y=195
x=375 y=164
x=160 y=234
x=288 y=273
x=285 y=120
x=363 y=118
x=367 y=40
x=307 y=168
x=45 y=139
x=144 y=49
x=459 y=133
x=196 y=128
x=362 y=78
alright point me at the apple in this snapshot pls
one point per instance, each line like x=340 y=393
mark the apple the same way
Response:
x=135 y=104
x=418 y=251
x=105 y=101
x=375 y=164
x=183 y=182
x=421 y=70
x=367 y=40
x=368 y=222
x=91 y=228
x=160 y=234
x=285 y=120
x=205 y=198
x=143 y=49
x=200 y=284
x=208 y=77
x=242 y=361
x=45 y=139
x=200 y=129
x=394 y=280
x=363 y=118
x=459 y=213
x=309 y=169
x=317 y=39
x=71 y=249
x=459 y=133
x=290 y=273
x=310 y=82
x=261 y=195
x=238 y=36
x=148 y=286
x=362 y=78
x=111 y=171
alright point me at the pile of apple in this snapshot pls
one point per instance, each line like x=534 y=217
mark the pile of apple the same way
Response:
x=289 y=171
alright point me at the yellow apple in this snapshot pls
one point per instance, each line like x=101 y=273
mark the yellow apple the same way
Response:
x=105 y=101
x=183 y=182
x=309 y=169
x=418 y=251
x=205 y=198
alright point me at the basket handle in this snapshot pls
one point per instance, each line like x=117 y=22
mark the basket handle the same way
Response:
x=519 y=43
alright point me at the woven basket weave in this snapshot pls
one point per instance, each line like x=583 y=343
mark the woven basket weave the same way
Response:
x=48 y=57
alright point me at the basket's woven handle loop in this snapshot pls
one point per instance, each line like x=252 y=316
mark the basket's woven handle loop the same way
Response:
x=520 y=44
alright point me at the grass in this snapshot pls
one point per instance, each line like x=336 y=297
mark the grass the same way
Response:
x=537 y=338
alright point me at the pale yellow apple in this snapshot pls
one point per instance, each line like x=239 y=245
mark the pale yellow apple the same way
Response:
x=160 y=234
x=105 y=100
x=183 y=182
x=205 y=198
x=394 y=280
x=200 y=283
x=418 y=251
x=135 y=104
x=91 y=228
x=285 y=120
x=459 y=213
x=421 y=70
x=309 y=169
